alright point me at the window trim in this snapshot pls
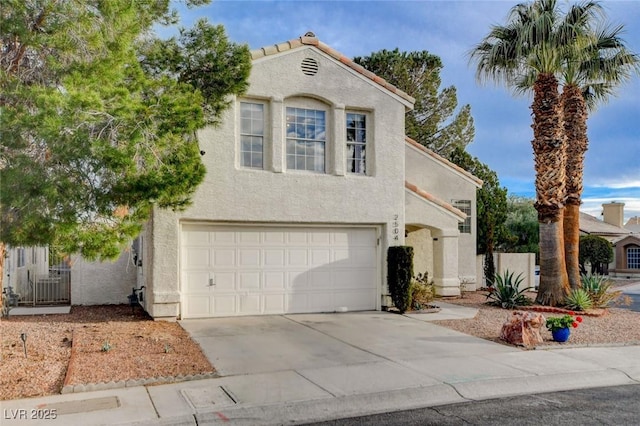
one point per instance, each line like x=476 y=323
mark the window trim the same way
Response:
x=242 y=134
x=349 y=161
x=633 y=257
x=325 y=142
x=465 y=226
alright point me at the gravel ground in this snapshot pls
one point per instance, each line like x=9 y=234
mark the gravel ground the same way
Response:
x=615 y=325
x=109 y=343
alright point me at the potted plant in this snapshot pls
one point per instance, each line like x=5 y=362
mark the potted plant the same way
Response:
x=560 y=326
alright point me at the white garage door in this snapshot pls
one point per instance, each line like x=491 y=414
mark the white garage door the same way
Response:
x=246 y=270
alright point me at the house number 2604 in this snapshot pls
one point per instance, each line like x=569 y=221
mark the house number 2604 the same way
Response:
x=395 y=228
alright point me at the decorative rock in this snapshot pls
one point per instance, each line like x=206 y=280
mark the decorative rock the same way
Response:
x=523 y=329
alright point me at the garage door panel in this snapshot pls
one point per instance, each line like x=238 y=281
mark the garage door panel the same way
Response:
x=297 y=302
x=275 y=280
x=321 y=278
x=195 y=257
x=297 y=257
x=356 y=299
x=196 y=238
x=224 y=305
x=248 y=257
x=224 y=281
x=321 y=302
x=297 y=280
x=272 y=270
x=249 y=237
x=363 y=257
x=224 y=238
x=197 y=281
x=250 y=304
x=198 y=306
x=249 y=280
x=224 y=257
x=361 y=237
x=319 y=238
x=297 y=237
x=320 y=256
x=274 y=238
x=275 y=303
x=274 y=258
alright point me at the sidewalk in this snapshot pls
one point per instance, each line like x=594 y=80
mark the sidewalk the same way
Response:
x=304 y=368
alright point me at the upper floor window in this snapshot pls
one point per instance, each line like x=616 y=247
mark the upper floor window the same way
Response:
x=251 y=135
x=465 y=207
x=356 y=142
x=633 y=258
x=306 y=139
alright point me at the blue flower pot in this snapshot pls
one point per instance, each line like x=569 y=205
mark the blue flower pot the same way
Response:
x=561 y=334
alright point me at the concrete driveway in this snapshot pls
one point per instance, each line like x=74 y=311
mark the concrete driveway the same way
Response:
x=316 y=346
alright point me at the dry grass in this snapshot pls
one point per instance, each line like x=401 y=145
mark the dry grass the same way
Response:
x=614 y=326
x=109 y=343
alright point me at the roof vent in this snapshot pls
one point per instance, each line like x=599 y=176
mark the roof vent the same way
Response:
x=309 y=66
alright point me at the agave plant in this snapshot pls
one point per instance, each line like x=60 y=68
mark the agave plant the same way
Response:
x=506 y=291
x=578 y=300
x=599 y=289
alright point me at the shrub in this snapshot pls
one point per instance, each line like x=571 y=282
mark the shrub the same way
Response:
x=599 y=289
x=400 y=266
x=506 y=291
x=422 y=291
x=578 y=300
x=565 y=321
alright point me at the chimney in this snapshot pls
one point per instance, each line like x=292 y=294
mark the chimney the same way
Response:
x=613 y=213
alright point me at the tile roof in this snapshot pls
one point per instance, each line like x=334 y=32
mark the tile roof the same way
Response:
x=429 y=197
x=309 y=39
x=443 y=160
x=592 y=225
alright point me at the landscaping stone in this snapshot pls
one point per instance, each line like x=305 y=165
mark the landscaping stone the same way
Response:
x=523 y=329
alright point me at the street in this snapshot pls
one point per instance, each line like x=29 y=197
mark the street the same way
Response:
x=618 y=405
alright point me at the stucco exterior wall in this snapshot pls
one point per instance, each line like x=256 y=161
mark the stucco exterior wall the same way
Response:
x=422 y=244
x=447 y=184
x=102 y=283
x=277 y=195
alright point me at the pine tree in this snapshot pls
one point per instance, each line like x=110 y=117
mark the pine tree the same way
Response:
x=96 y=132
x=433 y=122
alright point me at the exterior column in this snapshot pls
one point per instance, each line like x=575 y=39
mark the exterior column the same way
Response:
x=277 y=137
x=337 y=142
x=445 y=262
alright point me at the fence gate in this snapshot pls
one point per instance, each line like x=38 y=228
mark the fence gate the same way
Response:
x=46 y=285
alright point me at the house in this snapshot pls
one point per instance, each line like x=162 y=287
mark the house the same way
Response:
x=310 y=180
x=633 y=224
x=26 y=272
x=626 y=243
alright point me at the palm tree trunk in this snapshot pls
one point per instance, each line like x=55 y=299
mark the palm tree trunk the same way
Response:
x=575 y=129
x=548 y=147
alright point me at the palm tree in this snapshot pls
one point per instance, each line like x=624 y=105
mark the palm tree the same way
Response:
x=531 y=48
x=597 y=64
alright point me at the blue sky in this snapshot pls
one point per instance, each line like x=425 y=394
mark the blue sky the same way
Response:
x=450 y=29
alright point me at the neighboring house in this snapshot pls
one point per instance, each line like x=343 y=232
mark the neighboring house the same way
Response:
x=633 y=224
x=310 y=180
x=23 y=268
x=39 y=278
x=626 y=244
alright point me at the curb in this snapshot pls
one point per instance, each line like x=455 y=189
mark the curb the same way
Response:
x=90 y=387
